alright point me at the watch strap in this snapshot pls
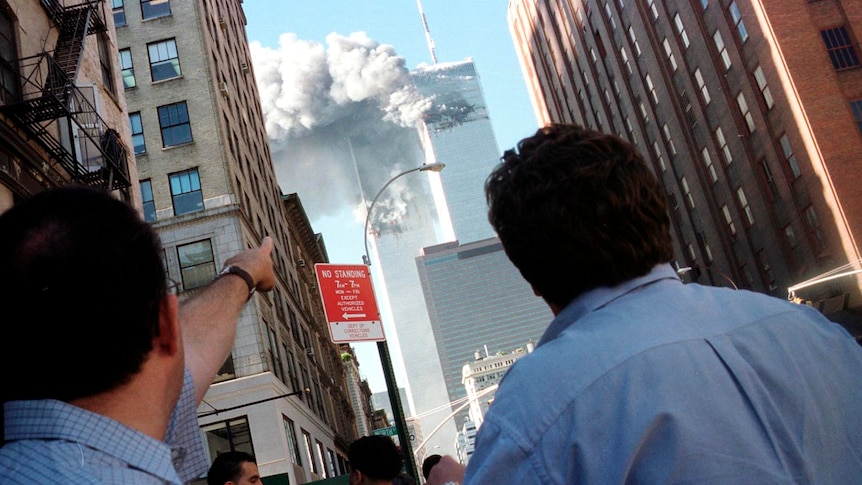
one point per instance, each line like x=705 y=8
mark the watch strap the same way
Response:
x=236 y=270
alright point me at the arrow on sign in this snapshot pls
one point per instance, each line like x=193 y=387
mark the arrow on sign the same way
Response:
x=348 y=316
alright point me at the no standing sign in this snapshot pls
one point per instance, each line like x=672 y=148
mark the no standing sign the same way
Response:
x=349 y=302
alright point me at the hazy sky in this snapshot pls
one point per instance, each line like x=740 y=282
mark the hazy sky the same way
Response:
x=332 y=76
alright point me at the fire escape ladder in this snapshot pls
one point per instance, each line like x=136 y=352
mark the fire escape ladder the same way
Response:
x=69 y=49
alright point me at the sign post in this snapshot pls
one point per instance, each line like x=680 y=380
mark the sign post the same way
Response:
x=349 y=303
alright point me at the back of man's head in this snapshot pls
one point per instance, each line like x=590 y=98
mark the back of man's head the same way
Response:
x=227 y=467
x=81 y=279
x=376 y=457
x=578 y=209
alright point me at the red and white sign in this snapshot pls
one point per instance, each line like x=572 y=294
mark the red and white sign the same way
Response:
x=349 y=302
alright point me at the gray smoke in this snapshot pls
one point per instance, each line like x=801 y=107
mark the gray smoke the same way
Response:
x=338 y=116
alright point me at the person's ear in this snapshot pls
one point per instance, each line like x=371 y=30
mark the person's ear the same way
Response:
x=169 y=337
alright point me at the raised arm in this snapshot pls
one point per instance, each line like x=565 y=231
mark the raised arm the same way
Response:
x=209 y=319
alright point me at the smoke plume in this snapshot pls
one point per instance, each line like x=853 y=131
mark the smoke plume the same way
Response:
x=339 y=116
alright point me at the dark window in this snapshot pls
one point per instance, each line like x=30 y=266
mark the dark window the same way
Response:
x=175 y=125
x=164 y=61
x=119 y=13
x=232 y=435
x=186 y=192
x=309 y=452
x=147 y=200
x=841 y=50
x=856 y=107
x=137 y=133
x=292 y=441
x=151 y=9
x=105 y=55
x=9 y=91
x=197 y=264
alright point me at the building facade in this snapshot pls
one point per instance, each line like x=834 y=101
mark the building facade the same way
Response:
x=208 y=187
x=477 y=300
x=62 y=112
x=749 y=112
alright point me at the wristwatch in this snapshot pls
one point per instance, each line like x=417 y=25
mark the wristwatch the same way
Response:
x=236 y=270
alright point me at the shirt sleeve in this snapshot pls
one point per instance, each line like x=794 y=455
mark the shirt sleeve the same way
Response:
x=499 y=459
x=185 y=437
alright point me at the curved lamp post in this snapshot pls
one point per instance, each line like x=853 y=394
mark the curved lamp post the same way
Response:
x=383 y=348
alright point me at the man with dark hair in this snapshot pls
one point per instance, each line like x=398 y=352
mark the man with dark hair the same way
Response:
x=374 y=460
x=234 y=468
x=117 y=366
x=641 y=378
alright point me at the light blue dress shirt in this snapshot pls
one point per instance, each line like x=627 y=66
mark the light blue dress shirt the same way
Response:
x=51 y=442
x=655 y=381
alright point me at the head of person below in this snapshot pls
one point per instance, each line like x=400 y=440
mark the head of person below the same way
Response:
x=116 y=365
x=234 y=468
x=374 y=460
x=641 y=378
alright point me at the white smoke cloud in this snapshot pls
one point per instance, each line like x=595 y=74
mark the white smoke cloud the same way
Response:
x=340 y=115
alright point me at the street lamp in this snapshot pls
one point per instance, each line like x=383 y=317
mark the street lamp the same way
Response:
x=383 y=348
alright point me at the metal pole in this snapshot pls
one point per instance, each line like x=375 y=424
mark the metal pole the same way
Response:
x=397 y=410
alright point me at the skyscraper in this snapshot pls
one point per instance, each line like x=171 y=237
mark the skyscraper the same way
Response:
x=750 y=114
x=444 y=207
x=209 y=188
x=477 y=302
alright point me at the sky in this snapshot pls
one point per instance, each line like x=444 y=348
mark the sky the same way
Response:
x=332 y=77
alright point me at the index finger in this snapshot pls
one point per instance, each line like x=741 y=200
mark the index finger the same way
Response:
x=266 y=245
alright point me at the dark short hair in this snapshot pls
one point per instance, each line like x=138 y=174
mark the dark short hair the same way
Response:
x=81 y=281
x=227 y=467
x=578 y=209
x=376 y=456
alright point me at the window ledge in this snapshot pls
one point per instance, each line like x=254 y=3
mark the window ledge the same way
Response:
x=178 y=146
x=161 y=81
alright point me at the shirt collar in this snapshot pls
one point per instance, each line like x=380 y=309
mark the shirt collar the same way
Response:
x=49 y=419
x=599 y=297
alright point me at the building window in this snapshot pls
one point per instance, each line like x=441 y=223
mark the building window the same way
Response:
x=232 y=435
x=769 y=179
x=680 y=29
x=186 y=192
x=651 y=89
x=642 y=108
x=704 y=91
x=722 y=146
x=105 y=55
x=147 y=201
x=669 y=52
x=743 y=203
x=789 y=157
x=790 y=236
x=737 y=21
x=197 y=264
x=137 y=133
x=840 y=48
x=745 y=112
x=686 y=193
x=812 y=222
x=766 y=269
x=320 y=457
x=659 y=158
x=722 y=50
x=710 y=167
x=728 y=219
x=634 y=40
x=9 y=91
x=119 y=13
x=653 y=9
x=330 y=462
x=704 y=4
x=625 y=58
x=292 y=441
x=309 y=452
x=164 y=60
x=127 y=69
x=856 y=107
x=667 y=139
x=760 y=78
x=151 y=9
x=175 y=125
x=610 y=16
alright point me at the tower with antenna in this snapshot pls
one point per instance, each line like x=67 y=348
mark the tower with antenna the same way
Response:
x=427 y=32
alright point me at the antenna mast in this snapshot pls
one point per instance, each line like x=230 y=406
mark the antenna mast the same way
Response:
x=427 y=32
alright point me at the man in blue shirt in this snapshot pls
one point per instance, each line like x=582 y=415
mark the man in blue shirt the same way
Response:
x=116 y=366
x=640 y=378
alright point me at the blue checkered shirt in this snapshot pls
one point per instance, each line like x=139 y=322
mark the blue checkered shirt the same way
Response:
x=51 y=442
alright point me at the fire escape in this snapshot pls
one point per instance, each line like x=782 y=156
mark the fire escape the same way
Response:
x=59 y=116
